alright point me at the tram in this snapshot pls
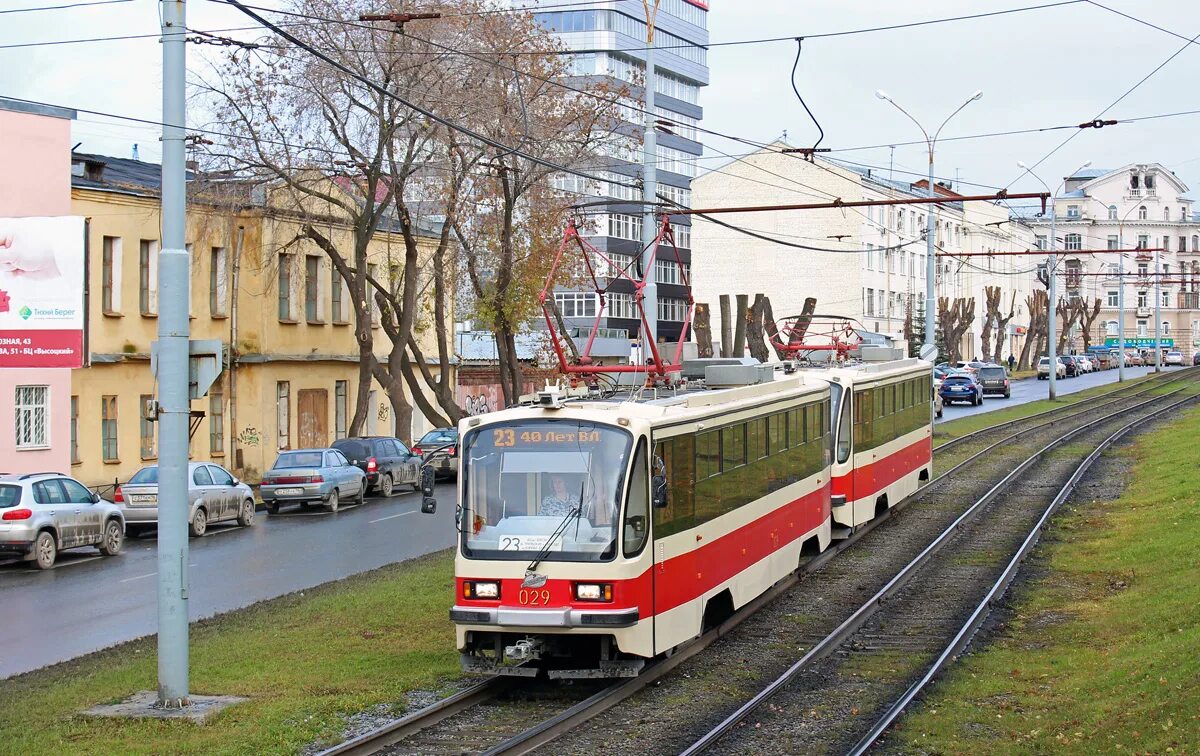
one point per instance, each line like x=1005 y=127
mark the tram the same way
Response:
x=597 y=534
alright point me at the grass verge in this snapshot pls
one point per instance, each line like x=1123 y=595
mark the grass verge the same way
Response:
x=1100 y=654
x=306 y=661
x=954 y=428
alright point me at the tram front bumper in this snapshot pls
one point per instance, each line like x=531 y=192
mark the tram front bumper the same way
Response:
x=565 y=617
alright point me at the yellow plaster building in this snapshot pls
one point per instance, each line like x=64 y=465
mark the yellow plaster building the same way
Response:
x=295 y=379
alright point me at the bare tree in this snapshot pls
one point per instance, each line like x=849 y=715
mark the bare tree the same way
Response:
x=1002 y=322
x=1087 y=316
x=955 y=318
x=1069 y=312
x=1037 y=305
x=991 y=314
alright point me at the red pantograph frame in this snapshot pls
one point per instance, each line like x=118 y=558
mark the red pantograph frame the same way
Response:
x=656 y=370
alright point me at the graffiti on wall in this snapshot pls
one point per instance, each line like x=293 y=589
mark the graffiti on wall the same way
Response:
x=249 y=437
x=485 y=397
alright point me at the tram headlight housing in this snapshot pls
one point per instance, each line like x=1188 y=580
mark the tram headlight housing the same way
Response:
x=481 y=589
x=593 y=592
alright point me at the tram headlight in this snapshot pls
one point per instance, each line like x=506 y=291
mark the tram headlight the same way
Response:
x=593 y=591
x=481 y=589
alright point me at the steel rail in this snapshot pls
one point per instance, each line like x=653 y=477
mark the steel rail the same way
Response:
x=1110 y=397
x=834 y=639
x=393 y=732
x=967 y=632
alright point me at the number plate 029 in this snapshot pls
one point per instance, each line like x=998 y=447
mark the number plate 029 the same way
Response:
x=534 y=597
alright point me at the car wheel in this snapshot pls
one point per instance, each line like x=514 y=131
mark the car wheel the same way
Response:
x=114 y=536
x=45 y=550
x=246 y=516
x=1008 y=395
x=272 y=507
x=199 y=524
x=385 y=486
x=332 y=500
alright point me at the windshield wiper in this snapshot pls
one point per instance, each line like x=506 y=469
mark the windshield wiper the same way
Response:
x=575 y=511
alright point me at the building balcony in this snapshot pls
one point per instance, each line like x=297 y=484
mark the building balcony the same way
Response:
x=1189 y=300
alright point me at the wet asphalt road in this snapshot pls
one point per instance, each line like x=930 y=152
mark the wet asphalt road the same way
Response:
x=1031 y=390
x=88 y=602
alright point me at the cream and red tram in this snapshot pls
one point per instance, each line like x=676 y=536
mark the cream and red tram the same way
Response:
x=596 y=535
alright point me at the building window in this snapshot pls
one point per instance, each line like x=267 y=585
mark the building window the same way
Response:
x=336 y=289
x=216 y=423
x=283 y=416
x=1072 y=211
x=1114 y=242
x=1195 y=243
x=1074 y=242
x=1143 y=241
x=616 y=266
x=672 y=309
x=669 y=272
x=870 y=301
x=575 y=304
x=900 y=219
x=870 y=257
x=1142 y=299
x=148 y=277
x=1039 y=241
x=1166 y=213
x=145 y=427
x=285 y=287
x=1112 y=212
x=1112 y=328
x=110 y=276
x=620 y=305
x=1183 y=244
x=1166 y=298
x=1143 y=269
x=312 y=289
x=33 y=409
x=624 y=226
x=108 y=428
x=341 y=407
x=218 y=289
x=1143 y=329
x=1166 y=328
x=1113 y=299
x=1142 y=212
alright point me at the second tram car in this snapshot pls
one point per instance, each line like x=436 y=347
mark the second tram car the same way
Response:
x=598 y=534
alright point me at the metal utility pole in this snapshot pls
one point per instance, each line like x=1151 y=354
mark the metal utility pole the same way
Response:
x=1051 y=264
x=1121 y=309
x=172 y=365
x=930 y=256
x=1157 y=313
x=649 y=187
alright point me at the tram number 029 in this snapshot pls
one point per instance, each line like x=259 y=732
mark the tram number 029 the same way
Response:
x=534 y=596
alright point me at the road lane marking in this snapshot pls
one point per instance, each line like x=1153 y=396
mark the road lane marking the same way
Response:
x=138 y=577
x=389 y=517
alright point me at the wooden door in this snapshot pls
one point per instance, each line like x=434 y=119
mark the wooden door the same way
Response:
x=313 y=420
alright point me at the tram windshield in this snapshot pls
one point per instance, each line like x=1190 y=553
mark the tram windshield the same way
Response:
x=549 y=488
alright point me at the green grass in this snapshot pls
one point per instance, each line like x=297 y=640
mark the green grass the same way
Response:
x=1101 y=653
x=964 y=425
x=305 y=660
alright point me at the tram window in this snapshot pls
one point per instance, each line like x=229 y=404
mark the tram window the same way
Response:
x=756 y=439
x=708 y=454
x=637 y=506
x=777 y=432
x=733 y=446
x=843 y=434
x=795 y=434
x=677 y=455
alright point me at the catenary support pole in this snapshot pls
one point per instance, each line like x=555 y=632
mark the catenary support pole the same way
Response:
x=1051 y=326
x=172 y=378
x=1157 y=313
x=930 y=264
x=649 y=186
x=1121 y=315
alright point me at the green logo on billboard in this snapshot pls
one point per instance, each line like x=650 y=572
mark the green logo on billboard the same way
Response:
x=25 y=312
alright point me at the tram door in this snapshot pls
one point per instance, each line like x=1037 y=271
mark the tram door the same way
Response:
x=677 y=617
x=842 y=414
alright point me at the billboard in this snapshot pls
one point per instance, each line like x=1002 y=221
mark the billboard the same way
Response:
x=41 y=292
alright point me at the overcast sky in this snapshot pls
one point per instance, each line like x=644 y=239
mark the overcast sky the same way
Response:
x=1037 y=69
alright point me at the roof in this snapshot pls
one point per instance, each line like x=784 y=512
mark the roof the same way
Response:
x=1076 y=194
x=119 y=173
x=1090 y=173
x=480 y=346
x=36 y=108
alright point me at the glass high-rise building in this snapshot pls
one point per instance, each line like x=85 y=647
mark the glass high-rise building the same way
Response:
x=609 y=39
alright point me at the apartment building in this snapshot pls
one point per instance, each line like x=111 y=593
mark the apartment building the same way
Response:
x=605 y=37
x=1141 y=205
x=866 y=263
x=256 y=285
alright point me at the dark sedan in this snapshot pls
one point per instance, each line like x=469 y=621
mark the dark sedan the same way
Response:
x=386 y=461
x=994 y=380
x=961 y=387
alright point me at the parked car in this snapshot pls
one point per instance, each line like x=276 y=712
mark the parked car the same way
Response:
x=1043 y=368
x=1085 y=362
x=961 y=387
x=1174 y=357
x=42 y=514
x=1134 y=359
x=446 y=464
x=939 y=373
x=994 y=380
x=1072 y=366
x=386 y=461
x=214 y=495
x=312 y=476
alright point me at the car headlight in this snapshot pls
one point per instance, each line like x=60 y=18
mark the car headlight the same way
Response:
x=593 y=591
x=481 y=589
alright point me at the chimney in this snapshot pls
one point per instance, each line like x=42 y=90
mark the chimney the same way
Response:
x=135 y=152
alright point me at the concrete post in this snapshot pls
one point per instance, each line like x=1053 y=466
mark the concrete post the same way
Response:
x=649 y=189
x=174 y=404
x=1157 y=313
x=1051 y=326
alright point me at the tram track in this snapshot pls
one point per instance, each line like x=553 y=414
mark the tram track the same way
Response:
x=860 y=677
x=485 y=717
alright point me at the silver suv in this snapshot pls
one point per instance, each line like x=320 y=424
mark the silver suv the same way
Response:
x=44 y=513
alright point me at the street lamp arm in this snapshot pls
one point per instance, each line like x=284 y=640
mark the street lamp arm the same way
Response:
x=928 y=140
x=958 y=110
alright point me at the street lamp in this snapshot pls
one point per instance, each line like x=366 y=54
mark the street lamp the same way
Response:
x=930 y=256
x=1051 y=264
